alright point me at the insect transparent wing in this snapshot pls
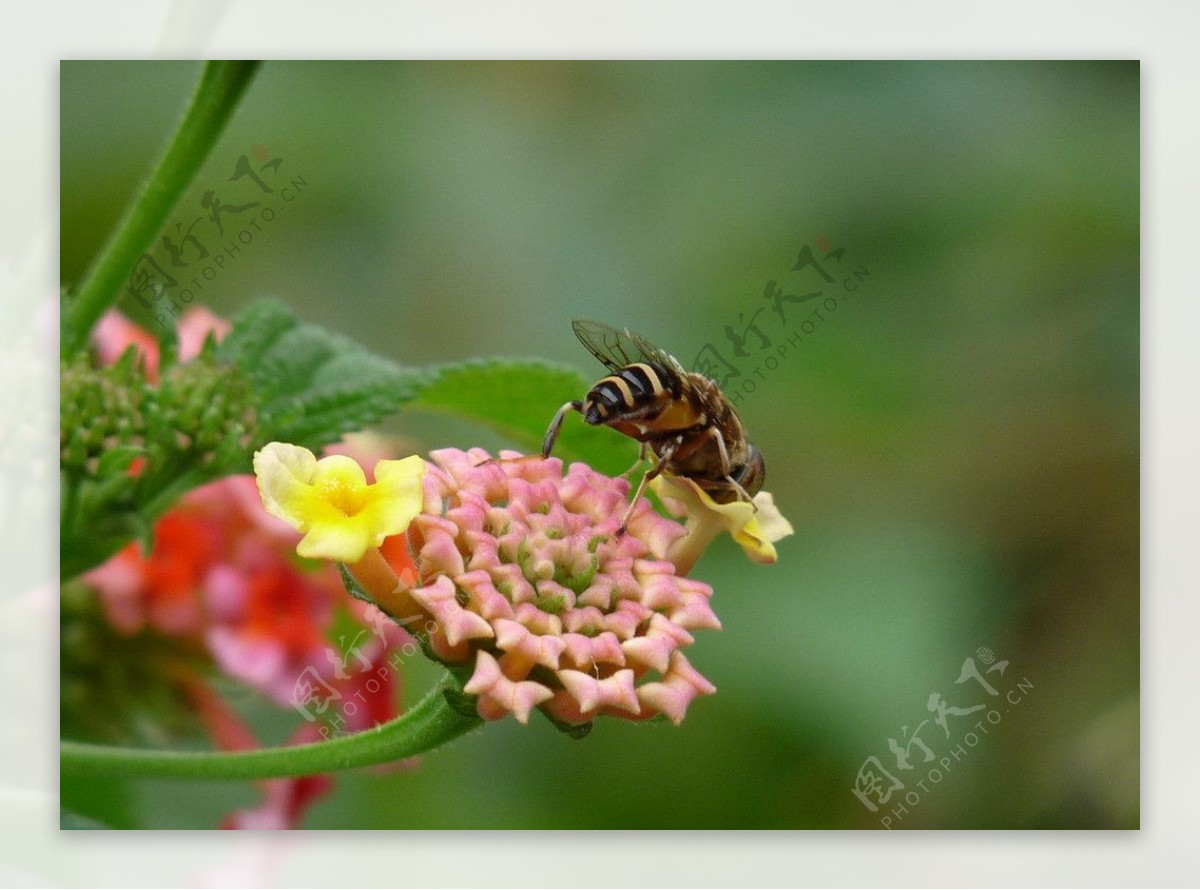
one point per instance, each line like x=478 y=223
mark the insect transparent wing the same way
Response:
x=616 y=349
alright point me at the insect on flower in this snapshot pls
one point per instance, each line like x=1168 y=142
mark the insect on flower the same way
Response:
x=682 y=417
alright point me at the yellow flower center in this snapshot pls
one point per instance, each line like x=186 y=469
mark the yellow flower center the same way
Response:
x=344 y=495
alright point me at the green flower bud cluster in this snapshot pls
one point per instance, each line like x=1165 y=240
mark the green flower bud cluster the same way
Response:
x=100 y=410
x=204 y=408
x=202 y=412
x=196 y=425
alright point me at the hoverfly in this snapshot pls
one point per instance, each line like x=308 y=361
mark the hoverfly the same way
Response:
x=682 y=417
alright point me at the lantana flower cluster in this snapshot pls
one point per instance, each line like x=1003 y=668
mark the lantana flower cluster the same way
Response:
x=526 y=578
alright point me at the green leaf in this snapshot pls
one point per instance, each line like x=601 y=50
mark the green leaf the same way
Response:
x=517 y=399
x=310 y=385
x=255 y=330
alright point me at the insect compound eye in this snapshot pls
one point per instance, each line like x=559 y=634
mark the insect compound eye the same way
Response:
x=594 y=412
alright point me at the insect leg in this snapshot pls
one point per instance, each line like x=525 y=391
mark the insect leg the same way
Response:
x=641 y=457
x=556 y=425
x=727 y=466
x=666 y=455
x=742 y=493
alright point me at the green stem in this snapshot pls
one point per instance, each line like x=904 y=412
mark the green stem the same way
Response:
x=221 y=86
x=430 y=724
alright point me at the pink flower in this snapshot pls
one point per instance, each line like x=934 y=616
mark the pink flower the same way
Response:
x=115 y=333
x=525 y=578
x=268 y=622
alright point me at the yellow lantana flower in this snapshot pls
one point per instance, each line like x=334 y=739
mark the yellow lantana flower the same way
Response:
x=755 y=526
x=330 y=501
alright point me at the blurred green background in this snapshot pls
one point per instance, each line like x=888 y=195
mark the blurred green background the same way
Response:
x=956 y=445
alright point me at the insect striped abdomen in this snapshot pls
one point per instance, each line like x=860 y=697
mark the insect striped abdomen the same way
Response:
x=631 y=389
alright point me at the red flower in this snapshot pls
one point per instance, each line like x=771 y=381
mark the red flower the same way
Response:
x=160 y=590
